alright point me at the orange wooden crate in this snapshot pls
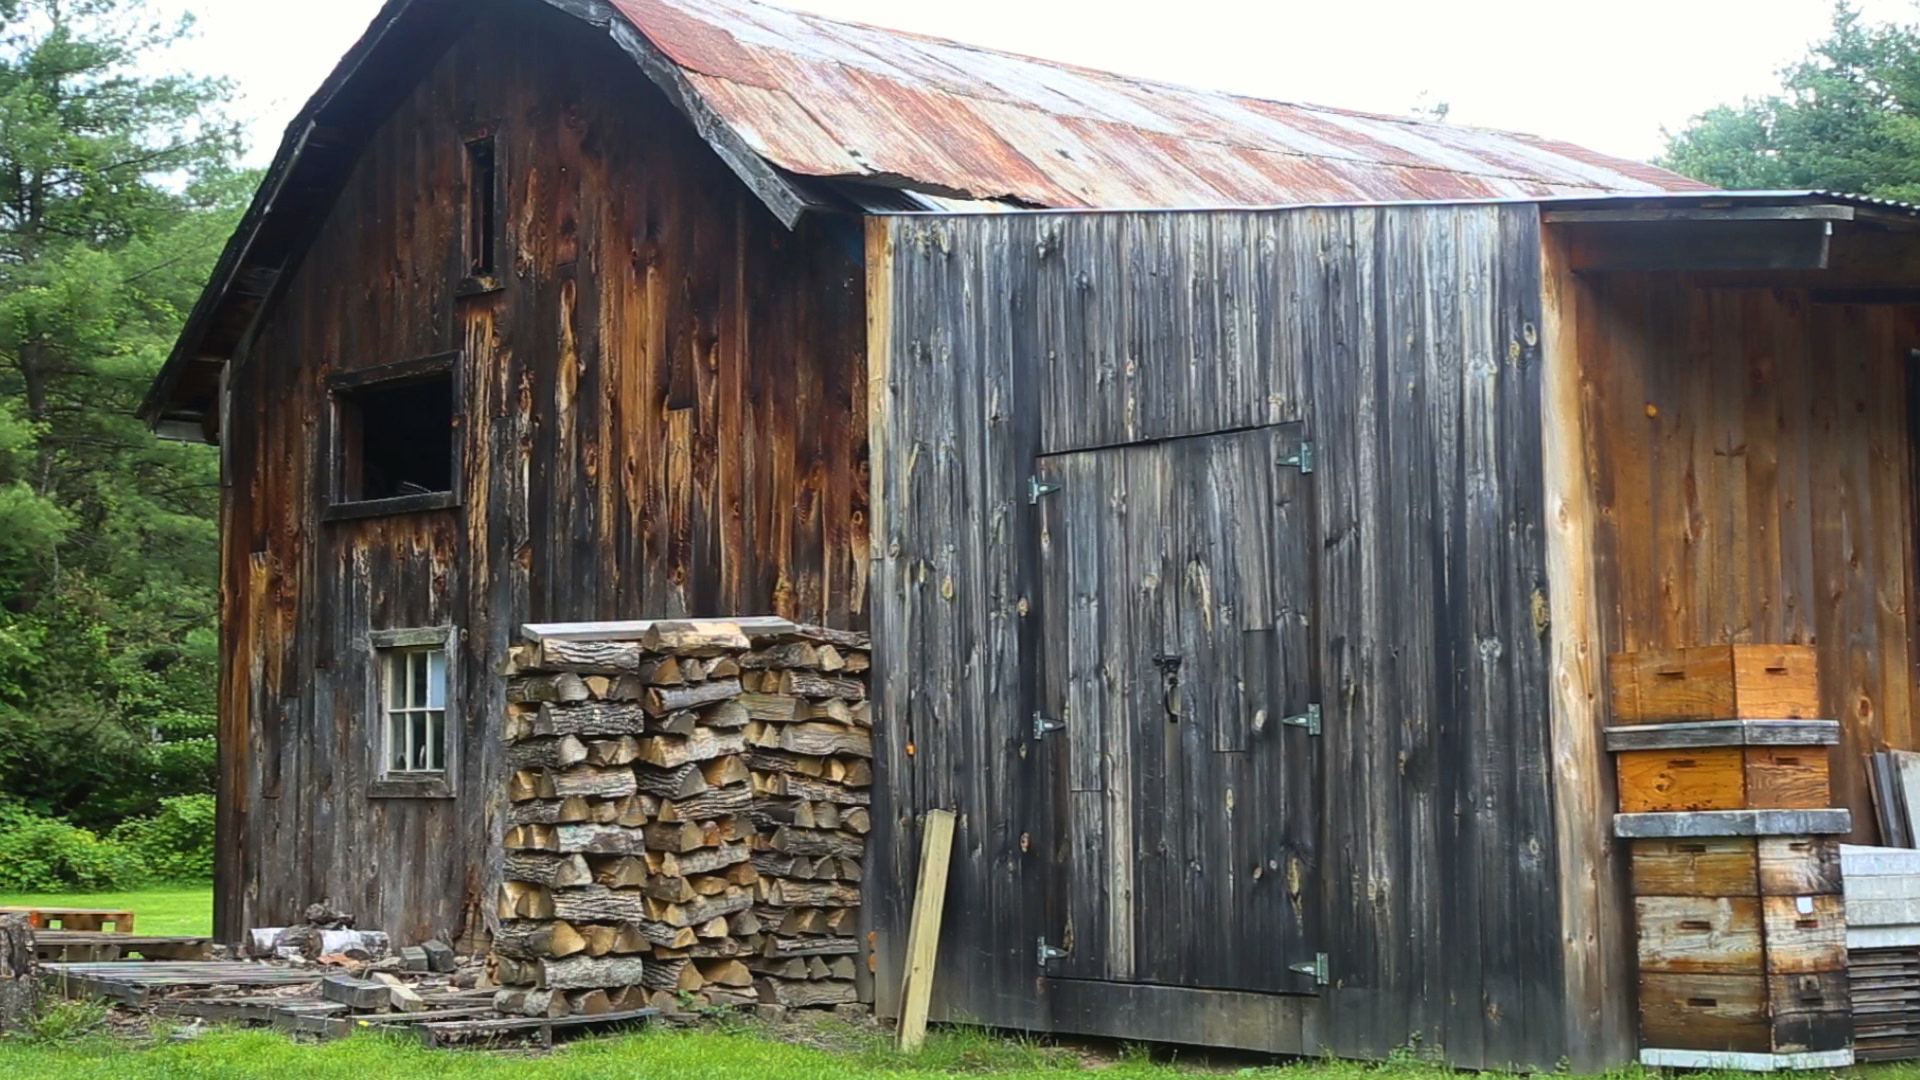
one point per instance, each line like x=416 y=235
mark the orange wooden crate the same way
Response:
x=1716 y=682
x=1723 y=778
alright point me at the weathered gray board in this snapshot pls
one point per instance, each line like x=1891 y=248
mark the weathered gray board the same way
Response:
x=1404 y=342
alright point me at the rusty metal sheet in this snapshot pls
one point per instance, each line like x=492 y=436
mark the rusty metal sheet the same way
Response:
x=844 y=101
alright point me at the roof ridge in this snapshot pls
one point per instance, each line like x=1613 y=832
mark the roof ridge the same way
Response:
x=1137 y=80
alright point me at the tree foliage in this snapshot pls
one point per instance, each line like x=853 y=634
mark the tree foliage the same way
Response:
x=1847 y=119
x=117 y=186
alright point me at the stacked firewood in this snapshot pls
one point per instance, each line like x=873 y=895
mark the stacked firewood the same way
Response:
x=810 y=751
x=686 y=807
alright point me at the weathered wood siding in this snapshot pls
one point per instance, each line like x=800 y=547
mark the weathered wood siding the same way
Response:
x=663 y=413
x=1751 y=467
x=1406 y=341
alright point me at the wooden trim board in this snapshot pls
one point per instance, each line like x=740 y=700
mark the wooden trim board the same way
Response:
x=1730 y=1059
x=1724 y=733
x=1229 y=1019
x=1600 y=1030
x=1733 y=823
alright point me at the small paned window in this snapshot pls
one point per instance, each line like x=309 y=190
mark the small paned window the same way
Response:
x=413 y=714
x=416 y=711
x=395 y=441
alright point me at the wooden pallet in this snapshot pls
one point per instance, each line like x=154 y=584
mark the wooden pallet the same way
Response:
x=92 y=946
x=64 y=918
x=136 y=983
x=1885 y=988
x=460 y=1032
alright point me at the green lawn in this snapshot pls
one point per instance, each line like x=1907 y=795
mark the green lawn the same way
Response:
x=667 y=1055
x=174 y=910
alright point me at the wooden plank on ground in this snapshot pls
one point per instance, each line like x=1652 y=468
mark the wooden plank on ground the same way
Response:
x=923 y=935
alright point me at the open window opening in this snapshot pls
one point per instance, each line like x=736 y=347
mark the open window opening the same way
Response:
x=482 y=209
x=395 y=444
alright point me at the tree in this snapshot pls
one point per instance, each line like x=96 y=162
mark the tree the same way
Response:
x=116 y=189
x=1847 y=119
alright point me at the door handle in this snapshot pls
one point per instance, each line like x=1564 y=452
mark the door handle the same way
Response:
x=1170 y=676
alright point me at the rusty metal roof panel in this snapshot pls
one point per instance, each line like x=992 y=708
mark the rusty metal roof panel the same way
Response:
x=835 y=100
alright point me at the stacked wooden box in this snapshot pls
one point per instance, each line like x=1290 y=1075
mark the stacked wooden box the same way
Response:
x=687 y=801
x=1724 y=793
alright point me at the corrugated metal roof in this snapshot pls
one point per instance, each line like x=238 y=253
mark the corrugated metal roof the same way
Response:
x=844 y=101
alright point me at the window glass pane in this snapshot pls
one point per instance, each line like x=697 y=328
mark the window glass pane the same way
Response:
x=436 y=679
x=396 y=669
x=396 y=744
x=417 y=667
x=418 y=723
x=437 y=741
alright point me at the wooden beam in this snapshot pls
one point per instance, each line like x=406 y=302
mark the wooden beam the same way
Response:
x=923 y=936
x=1595 y=922
x=1700 y=213
x=1701 y=245
x=1734 y=823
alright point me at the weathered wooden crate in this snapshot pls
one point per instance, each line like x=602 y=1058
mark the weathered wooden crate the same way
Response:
x=1742 y=938
x=1736 y=866
x=1715 y=682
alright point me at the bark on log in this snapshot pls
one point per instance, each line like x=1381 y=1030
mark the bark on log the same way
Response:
x=662 y=700
x=597 y=903
x=538 y=940
x=546 y=753
x=795 y=994
x=695 y=638
x=538 y=689
x=599 y=839
x=709 y=804
x=549 y=812
x=593 y=972
x=553 y=871
x=792 y=841
x=593 y=721
x=705 y=744
x=594 y=783
x=596 y=657
x=19 y=985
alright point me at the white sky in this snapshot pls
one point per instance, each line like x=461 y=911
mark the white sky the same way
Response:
x=1607 y=74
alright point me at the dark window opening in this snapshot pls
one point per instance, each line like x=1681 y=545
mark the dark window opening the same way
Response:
x=481 y=211
x=398 y=440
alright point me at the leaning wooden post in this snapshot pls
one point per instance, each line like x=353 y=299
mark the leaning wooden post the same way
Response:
x=18 y=984
x=923 y=936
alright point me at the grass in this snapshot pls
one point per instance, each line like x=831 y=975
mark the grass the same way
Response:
x=171 y=910
x=664 y=1055
x=736 y=1052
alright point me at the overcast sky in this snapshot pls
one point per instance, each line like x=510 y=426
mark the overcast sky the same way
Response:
x=1608 y=75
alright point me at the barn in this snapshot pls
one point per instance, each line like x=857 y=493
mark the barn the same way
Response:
x=1243 y=497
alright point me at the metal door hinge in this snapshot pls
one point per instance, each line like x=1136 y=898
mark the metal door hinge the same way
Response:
x=1309 y=720
x=1035 y=489
x=1042 y=726
x=1301 y=458
x=1046 y=953
x=1316 y=967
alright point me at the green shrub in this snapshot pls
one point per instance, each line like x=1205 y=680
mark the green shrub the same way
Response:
x=39 y=854
x=176 y=844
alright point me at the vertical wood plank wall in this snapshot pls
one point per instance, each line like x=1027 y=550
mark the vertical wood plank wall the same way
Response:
x=663 y=414
x=1749 y=456
x=1408 y=341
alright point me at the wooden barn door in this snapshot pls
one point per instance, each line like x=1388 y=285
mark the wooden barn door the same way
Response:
x=1179 y=701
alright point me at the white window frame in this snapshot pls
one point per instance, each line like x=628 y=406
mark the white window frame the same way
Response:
x=437 y=719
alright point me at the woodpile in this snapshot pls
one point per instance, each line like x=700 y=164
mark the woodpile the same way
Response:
x=688 y=806
x=18 y=982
